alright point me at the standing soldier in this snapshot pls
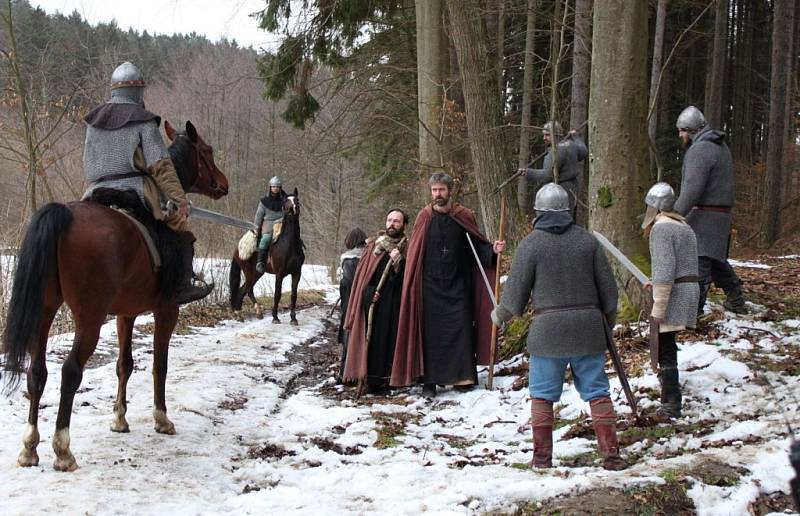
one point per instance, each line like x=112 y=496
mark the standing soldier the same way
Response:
x=705 y=200
x=673 y=255
x=445 y=329
x=125 y=151
x=270 y=210
x=564 y=271
x=375 y=308
x=567 y=153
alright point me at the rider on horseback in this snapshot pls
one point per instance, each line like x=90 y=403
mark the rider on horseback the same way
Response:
x=270 y=210
x=123 y=148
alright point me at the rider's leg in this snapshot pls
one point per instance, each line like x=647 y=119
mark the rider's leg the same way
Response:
x=187 y=290
x=263 y=250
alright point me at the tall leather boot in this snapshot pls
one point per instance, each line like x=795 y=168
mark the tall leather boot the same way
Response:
x=604 y=420
x=187 y=290
x=261 y=264
x=734 y=300
x=542 y=428
x=670 y=392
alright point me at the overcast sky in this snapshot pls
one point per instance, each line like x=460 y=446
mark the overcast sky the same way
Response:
x=213 y=18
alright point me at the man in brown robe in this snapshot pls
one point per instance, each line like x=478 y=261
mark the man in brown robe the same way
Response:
x=441 y=340
x=383 y=255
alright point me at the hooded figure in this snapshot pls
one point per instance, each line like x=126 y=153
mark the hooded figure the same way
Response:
x=705 y=200
x=124 y=151
x=563 y=270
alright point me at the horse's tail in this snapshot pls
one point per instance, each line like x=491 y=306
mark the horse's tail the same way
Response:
x=234 y=278
x=36 y=265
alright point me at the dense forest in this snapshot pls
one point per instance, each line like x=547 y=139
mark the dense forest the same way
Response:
x=57 y=68
x=362 y=100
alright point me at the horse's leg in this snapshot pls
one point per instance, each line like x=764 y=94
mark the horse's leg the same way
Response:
x=87 y=331
x=295 y=283
x=276 y=298
x=252 y=279
x=256 y=306
x=124 y=370
x=37 y=377
x=165 y=319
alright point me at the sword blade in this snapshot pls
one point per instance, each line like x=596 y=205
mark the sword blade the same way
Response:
x=483 y=272
x=633 y=269
x=220 y=218
x=618 y=366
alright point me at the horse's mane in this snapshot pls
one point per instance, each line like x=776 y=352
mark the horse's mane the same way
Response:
x=179 y=154
x=166 y=240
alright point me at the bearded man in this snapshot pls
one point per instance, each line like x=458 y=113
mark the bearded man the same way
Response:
x=444 y=329
x=705 y=201
x=378 y=284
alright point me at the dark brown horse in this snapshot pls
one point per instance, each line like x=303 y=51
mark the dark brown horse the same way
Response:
x=286 y=258
x=94 y=259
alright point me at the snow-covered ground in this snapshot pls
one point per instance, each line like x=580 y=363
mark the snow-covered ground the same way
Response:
x=245 y=444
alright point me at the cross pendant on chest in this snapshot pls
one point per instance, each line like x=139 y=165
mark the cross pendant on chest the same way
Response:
x=444 y=250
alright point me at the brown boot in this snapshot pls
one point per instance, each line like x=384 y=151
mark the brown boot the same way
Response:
x=542 y=429
x=604 y=420
x=187 y=290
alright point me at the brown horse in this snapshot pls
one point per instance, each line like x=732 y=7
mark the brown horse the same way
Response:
x=94 y=259
x=286 y=257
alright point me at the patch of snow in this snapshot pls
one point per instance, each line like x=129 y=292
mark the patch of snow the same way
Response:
x=748 y=264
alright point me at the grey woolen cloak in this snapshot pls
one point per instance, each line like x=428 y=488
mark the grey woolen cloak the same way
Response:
x=707 y=180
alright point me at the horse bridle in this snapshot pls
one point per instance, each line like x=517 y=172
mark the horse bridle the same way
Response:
x=293 y=209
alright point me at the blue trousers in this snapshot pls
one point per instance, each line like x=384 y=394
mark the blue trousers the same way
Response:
x=546 y=376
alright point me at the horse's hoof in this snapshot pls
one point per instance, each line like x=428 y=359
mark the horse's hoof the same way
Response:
x=66 y=463
x=120 y=426
x=294 y=322
x=238 y=316
x=163 y=424
x=165 y=429
x=28 y=458
x=275 y=320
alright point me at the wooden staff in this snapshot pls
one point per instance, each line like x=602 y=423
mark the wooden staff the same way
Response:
x=493 y=348
x=384 y=276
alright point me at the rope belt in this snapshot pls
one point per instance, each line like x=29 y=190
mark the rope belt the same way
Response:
x=564 y=308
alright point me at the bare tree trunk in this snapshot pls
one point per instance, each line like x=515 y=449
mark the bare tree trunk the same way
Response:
x=770 y=204
x=618 y=129
x=715 y=91
x=655 y=75
x=581 y=72
x=432 y=69
x=792 y=21
x=556 y=46
x=482 y=103
x=500 y=55
x=527 y=98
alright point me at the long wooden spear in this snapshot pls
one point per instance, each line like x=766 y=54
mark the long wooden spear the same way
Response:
x=493 y=347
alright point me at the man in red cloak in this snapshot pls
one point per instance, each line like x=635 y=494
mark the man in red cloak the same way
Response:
x=384 y=254
x=444 y=329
